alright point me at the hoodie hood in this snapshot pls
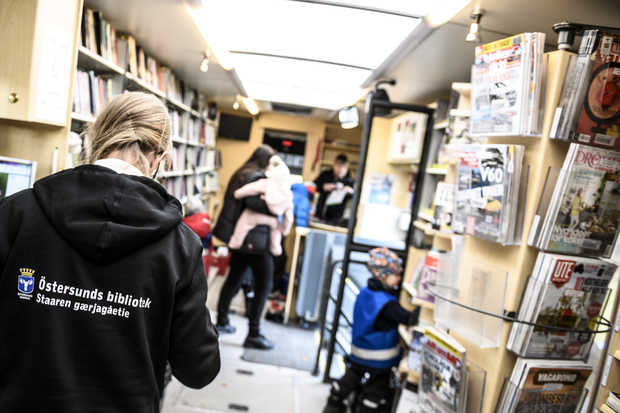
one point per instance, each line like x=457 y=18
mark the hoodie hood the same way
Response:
x=105 y=215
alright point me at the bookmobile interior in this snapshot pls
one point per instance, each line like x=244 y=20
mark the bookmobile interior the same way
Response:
x=483 y=136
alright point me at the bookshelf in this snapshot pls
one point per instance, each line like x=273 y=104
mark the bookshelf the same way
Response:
x=193 y=170
x=337 y=141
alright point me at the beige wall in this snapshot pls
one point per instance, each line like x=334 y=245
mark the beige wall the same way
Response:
x=235 y=153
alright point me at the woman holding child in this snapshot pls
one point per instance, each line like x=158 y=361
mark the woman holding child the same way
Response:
x=254 y=254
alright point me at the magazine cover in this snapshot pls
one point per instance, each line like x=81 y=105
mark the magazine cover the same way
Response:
x=552 y=389
x=424 y=276
x=444 y=202
x=499 y=77
x=483 y=184
x=586 y=220
x=599 y=115
x=574 y=293
x=443 y=364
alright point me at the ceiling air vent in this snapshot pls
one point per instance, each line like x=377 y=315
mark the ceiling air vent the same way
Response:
x=291 y=109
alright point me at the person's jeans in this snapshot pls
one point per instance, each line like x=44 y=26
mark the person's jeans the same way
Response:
x=262 y=271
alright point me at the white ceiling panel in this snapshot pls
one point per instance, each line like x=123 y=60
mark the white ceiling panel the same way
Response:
x=298 y=73
x=408 y=7
x=297 y=95
x=307 y=30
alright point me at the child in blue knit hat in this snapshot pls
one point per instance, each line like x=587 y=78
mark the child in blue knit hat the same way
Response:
x=375 y=346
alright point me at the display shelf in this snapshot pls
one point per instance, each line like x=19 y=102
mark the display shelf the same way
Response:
x=552 y=399
x=145 y=85
x=329 y=163
x=178 y=140
x=88 y=60
x=460 y=112
x=82 y=118
x=409 y=289
x=426 y=216
x=196 y=114
x=606 y=409
x=179 y=105
x=342 y=148
x=437 y=171
x=203 y=170
x=169 y=174
x=404 y=334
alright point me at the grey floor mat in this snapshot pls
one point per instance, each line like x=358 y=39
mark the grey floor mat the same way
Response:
x=294 y=347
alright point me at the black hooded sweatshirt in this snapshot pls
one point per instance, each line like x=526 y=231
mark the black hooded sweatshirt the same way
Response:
x=100 y=284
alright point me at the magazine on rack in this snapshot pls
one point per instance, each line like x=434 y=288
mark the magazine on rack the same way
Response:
x=567 y=292
x=487 y=191
x=584 y=212
x=506 y=86
x=589 y=111
x=546 y=386
x=424 y=275
x=442 y=388
x=444 y=202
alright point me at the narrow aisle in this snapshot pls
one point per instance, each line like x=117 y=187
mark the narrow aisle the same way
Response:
x=249 y=387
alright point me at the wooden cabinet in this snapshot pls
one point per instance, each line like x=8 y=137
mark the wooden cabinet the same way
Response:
x=38 y=40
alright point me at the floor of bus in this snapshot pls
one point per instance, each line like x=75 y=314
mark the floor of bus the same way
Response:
x=247 y=386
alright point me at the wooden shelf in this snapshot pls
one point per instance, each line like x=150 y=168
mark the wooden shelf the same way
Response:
x=329 y=163
x=82 y=118
x=178 y=140
x=604 y=408
x=342 y=148
x=409 y=289
x=436 y=171
x=170 y=174
x=145 y=85
x=179 y=105
x=203 y=170
x=460 y=112
x=88 y=60
x=425 y=216
x=402 y=330
x=424 y=304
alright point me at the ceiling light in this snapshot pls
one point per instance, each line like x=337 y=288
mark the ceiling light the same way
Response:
x=294 y=95
x=444 y=11
x=474 y=35
x=259 y=26
x=236 y=104
x=349 y=117
x=204 y=66
x=250 y=105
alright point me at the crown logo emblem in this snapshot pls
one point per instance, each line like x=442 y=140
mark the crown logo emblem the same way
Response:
x=26 y=272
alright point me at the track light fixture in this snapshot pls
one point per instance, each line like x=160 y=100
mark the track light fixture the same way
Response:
x=204 y=66
x=236 y=104
x=474 y=35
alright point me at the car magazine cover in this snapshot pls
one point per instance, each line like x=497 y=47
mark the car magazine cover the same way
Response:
x=443 y=365
x=598 y=118
x=483 y=185
x=499 y=74
x=574 y=293
x=552 y=388
x=586 y=220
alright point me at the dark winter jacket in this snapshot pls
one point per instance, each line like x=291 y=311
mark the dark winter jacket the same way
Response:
x=332 y=212
x=233 y=207
x=301 y=205
x=100 y=285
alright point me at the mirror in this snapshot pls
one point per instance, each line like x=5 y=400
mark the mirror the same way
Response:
x=349 y=117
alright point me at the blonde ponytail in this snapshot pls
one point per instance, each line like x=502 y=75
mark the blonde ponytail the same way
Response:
x=136 y=124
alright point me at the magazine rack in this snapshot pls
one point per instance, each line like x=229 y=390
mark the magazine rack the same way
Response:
x=519 y=204
x=545 y=213
x=564 y=114
x=474 y=382
x=577 y=341
x=569 y=402
x=476 y=286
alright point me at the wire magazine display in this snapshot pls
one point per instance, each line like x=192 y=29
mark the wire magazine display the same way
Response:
x=567 y=292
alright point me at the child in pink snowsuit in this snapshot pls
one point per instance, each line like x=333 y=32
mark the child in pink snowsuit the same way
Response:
x=279 y=200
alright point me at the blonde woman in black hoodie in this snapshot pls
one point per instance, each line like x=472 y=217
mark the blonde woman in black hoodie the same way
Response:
x=101 y=283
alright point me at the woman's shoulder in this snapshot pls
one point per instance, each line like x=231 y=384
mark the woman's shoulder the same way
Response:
x=253 y=176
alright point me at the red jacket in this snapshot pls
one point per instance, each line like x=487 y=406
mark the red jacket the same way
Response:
x=200 y=223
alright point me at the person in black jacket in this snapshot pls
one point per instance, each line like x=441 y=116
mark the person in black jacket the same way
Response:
x=260 y=262
x=101 y=283
x=339 y=178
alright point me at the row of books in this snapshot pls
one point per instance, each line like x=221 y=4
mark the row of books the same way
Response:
x=182 y=187
x=487 y=192
x=507 y=81
x=191 y=129
x=589 y=106
x=566 y=292
x=189 y=158
x=91 y=93
x=579 y=211
x=100 y=38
